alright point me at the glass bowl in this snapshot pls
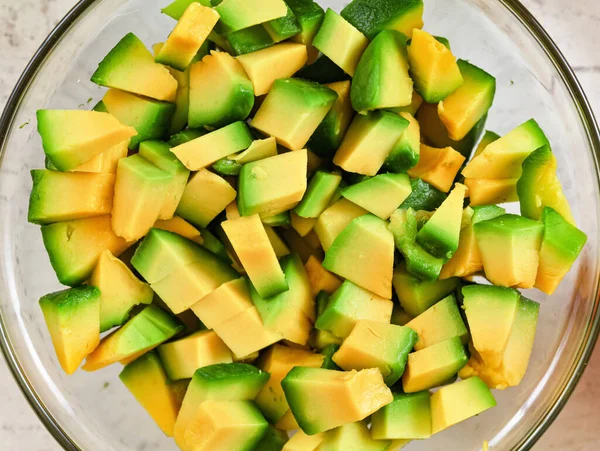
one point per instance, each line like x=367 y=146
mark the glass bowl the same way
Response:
x=94 y=411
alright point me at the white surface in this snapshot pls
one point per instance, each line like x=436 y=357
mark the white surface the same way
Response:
x=574 y=25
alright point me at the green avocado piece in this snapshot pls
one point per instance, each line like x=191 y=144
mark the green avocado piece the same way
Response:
x=328 y=351
x=405 y=154
x=278 y=220
x=226 y=167
x=318 y=195
x=323 y=70
x=240 y=14
x=249 y=40
x=381 y=79
x=408 y=416
x=423 y=196
x=273 y=440
x=371 y=17
x=185 y=136
x=352 y=436
x=380 y=195
x=176 y=9
x=310 y=17
x=284 y=27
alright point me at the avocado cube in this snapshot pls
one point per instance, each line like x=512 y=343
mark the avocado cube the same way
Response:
x=405 y=154
x=239 y=14
x=335 y=219
x=249 y=40
x=273 y=440
x=380 y=195
x=58 y=196
x=373 y=344
x=72 y=317
x=510 y=247
x=145 y=378
x=320 y=279
x=309 y=16
x=323 y=399
x=438 y=167
x=284 y=27
x=71 y=138
x=458 y=402
x=408 y=416
x=130 y=67
x=224 y=303
x=318 y=195
x=352 y=435
x=381 y=78
x=491 y=191
x=423 y=196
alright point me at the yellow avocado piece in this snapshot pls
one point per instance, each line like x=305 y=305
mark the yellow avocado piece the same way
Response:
x=491 y=191
x=205 y=196
x=140 y=191
x=320 y=278
x=187 y=37
x=107 y=161
x=258 y=150
x=279 y=246
x=146 y=380
x=120 y=290
x=467 y=258
x=181 y=227
x=278 y=362
x=251 y=244
x=302 y=225
x=181 y=358
x=226 y=302
x=302 y=442
x=246 y=333
x=265 y=66
x=438 y=167
x=335 y=219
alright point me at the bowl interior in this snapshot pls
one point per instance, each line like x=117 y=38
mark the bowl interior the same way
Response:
x=98 y=413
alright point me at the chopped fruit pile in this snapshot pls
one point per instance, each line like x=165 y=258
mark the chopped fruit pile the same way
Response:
x=277 y=219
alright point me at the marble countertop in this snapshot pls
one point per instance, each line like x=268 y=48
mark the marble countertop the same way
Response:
x=573 y=24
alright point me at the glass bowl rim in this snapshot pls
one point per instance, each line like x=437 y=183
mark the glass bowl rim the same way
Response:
x=544 y=40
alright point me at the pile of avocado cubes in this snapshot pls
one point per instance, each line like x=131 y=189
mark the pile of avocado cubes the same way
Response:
x=276 y=218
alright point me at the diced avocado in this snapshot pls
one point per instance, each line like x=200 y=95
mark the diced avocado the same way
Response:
x=349 y=304
x=423 y=196
x=293 y=110
x=302 y=225
x=185 y=136
x=405 y=154
x=58 y=196
x=245 y=333
x=225 y=425
x=440 y=235
x=176 y=9
x=205 y=196
x=491 y=191
x=323 y=399
x=380 y=195
x=438 y=167
x=329 y=134
x=320 y=279
x=220 y=92
x=418 y=295
x=539 y=187
x=339 y=41
x=318 y=195
x=240 y=14
x=223 y=382
x=364 y=254
x=258 y=150
x=71 y=138
x=273 y=440
x=562 y=243
x=459 y=401
x=323 y=340
x=249 y=40
x=224 y=303
x=141 y=190
x=310 y=17
x=184 y=42
x=335 y=219
x=463 y=109
x=159 y=154
x=433 y=67
x=352 y=436
x=284 y=27
x=369 y=141
x=181 y=358
x=411 y=109
x=72 y=317
x=279 y=246
x=303 y=442
x=252 y=246
x=130 y=67
x=272 y=185
x=120 y=290
x=509 y=247
x=150 y=118
x=381 y=79
x=278 y=361
x=408 y=416
x=265 y=66
x=103 y=163
x=434 y=131
x=504 y=157
x=488 y=138
x=279 y=220
x=490 y=313
x=145 y=378
x=373 y=16
x=432 y=366
x=290 y=314
x=323 y=70
x=142 y=333
x=373 y=344
x=75 y=246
